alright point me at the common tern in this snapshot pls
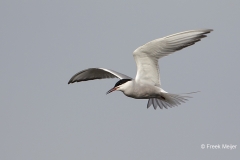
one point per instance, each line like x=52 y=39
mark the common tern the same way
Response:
x=146 y=84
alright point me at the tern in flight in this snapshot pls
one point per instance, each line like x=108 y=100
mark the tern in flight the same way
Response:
x=146 y=84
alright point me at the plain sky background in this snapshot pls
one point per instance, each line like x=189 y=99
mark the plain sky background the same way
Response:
x=44 y=43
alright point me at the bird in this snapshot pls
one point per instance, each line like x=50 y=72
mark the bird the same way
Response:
x=146 y=84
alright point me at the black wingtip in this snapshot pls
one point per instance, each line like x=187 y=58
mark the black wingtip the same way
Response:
x=70 y=81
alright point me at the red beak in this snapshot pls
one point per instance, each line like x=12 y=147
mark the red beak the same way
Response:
x=111 y=90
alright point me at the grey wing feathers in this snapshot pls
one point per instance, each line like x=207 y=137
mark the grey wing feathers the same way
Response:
x=184 y=39
x=96 y=73
x=164 y=46
x=147 y=55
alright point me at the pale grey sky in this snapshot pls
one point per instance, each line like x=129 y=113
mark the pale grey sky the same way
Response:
x=44 y=43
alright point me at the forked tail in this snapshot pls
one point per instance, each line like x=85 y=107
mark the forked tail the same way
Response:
x=168 y=100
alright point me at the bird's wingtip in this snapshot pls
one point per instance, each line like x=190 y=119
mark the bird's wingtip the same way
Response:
x=209 y=30
x=70 y=81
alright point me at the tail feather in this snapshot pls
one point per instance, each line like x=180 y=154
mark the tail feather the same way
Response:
x=149 y=103
x=168 y=100
x=154 y=104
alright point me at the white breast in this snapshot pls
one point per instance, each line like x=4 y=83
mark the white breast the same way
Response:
x=140 y=90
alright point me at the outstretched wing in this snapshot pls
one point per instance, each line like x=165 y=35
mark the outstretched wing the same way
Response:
x=96 y=73
x=147 y=56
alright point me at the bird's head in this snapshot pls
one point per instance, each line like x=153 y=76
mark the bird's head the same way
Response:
x=120 y=85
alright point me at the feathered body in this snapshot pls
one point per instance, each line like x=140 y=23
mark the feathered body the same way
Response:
x=147 y=83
